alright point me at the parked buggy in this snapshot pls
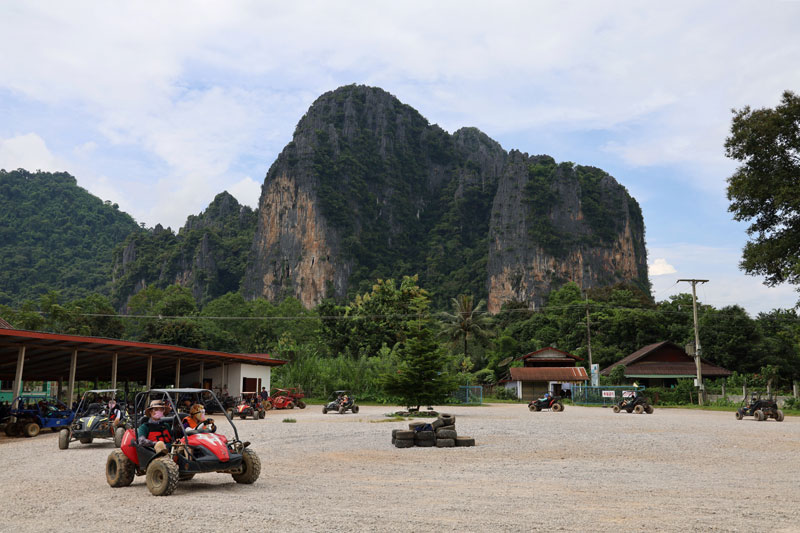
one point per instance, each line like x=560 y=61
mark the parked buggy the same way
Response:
x=282 y=399
x=190 y=451
x=548 y=402
x=248 y=404
x=30 y=414
x=759 y=408
x=340 y=401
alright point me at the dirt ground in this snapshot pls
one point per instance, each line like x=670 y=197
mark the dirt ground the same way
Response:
x=585 y=469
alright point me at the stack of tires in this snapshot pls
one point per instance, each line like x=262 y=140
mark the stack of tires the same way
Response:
x=441 y=433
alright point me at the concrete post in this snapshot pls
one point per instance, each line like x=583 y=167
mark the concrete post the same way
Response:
x=178 y=373
x=73 y=366
x=114 y=371
x=17 y=390
x=794 y=388
x=149 y=373
x=202 y=373
x=724 y=396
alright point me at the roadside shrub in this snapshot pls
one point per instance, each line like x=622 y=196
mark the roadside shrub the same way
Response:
x=791 y=403
x=502 y=393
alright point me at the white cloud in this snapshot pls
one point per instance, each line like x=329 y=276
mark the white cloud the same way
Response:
x=28 y=151
x=247 y=191
x=660 y=267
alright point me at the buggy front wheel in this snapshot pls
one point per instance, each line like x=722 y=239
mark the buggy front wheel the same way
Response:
x=638 y=409
x=31 y=429
x=779 y=416
x=251 y=467
x=759 y=415
x=649 y=409
x=324 y=410
x=615 y=409
x=739 y=415
x=120 y=470
x=63 y=439
x=355 y=409
x=301 y=404
x=557 y=407
x=162 y=476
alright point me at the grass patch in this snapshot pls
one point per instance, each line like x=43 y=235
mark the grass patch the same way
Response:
x=392 y=419
x=289 y=421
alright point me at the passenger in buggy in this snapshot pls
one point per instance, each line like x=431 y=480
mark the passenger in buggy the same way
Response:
x=197 y=420
x=155 y=431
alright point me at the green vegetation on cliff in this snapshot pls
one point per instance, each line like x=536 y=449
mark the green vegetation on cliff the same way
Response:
x=55 y=235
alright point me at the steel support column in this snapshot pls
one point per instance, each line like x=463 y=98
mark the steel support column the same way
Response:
x=178 y=373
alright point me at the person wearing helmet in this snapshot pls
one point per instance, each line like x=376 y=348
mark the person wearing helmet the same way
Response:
x=114 y=415
x=197 y=420
x=155 y=431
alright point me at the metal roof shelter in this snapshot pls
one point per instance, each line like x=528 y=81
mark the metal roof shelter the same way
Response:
x=39 y=356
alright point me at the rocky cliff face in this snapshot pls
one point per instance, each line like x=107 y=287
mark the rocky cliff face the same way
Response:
x=369 y=189
x=208 y=254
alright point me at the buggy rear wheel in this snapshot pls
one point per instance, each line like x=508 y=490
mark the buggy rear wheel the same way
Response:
x=31 y=429
x=779 y=415
x=290 y=405
x=557 y=407
x=355 y=409
x=324 y=410
x=615 y=409
x=251 y=467
x=12 y=429
x=649 y=409
x=63 y=439
x=638 y=409
x=119 y=469
x=301 y=404
x=162 y=476
x=739 y=415
x=759 y=415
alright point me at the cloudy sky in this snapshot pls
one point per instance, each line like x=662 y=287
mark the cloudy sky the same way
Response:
x=160 y=106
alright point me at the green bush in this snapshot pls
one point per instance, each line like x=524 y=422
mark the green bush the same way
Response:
x=502 y=393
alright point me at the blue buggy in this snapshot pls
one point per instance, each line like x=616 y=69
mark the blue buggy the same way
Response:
x=30 y=414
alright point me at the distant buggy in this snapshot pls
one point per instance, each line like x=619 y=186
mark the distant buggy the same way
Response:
x=759 y=408
x=340 y=401
x=635 y=403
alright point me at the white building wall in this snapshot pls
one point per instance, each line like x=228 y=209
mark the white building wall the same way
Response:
x=231 y=377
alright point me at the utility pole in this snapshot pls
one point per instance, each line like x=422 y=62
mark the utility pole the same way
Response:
x=588 y=333
x=701 y=391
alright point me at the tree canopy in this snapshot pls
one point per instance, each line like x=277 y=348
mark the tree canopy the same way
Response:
x=765 y=189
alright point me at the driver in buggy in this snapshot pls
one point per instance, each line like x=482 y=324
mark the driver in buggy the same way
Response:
x=197 y=420
x=114 y=414
x=154 y=431
x=545 y=397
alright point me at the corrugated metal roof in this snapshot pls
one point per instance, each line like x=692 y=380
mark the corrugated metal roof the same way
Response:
x=539 y=354
x=532 y=373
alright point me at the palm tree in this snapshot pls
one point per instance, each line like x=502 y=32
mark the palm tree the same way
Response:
x=466 y=321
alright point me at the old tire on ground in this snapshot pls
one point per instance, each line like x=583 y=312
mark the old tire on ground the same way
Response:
x=394 y=433
x=118 y=434
x=185 y=476
x=447 y=419
x=63 y=439
x=557 y=407
x=759 y=415
x=445 y=443
x=436 y=424
x=301 y=404
x=324 y=410
x=31 y=429
x=739 y=415
x=251 y=468
x=404 y=443
x=424 y=435
x=355 y=409
x=638 y=409
x=446 y=434
x=649 y=409
x=465 y=441
x=615 y=409
x=425 y=443
x=86 y=440
x=779 y=415
x=445 y=428
x=404 y=434
x=120 y=470
x=162 y=476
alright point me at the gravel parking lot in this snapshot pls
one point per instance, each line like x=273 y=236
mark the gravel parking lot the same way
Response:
x=585 y=469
